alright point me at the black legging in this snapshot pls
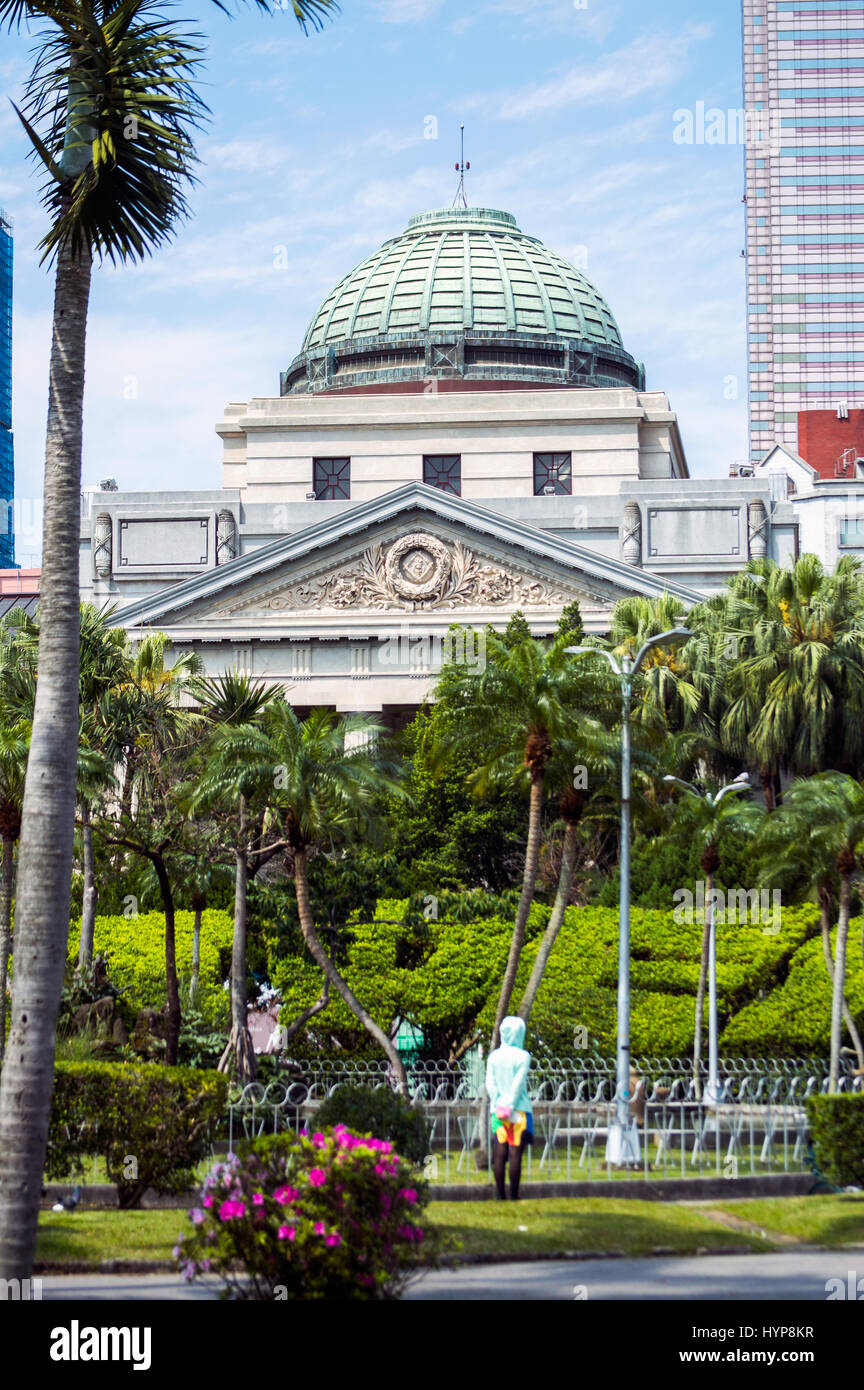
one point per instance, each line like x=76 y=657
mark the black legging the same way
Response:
x=499 y=1164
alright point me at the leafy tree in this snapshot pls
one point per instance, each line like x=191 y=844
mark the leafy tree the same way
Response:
x=570 y=624
x=516 y=631
x=442 y=835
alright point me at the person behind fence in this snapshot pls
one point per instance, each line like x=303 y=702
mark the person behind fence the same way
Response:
x=510 y=1103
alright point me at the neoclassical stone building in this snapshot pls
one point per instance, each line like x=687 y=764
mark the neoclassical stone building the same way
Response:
x=462 y=434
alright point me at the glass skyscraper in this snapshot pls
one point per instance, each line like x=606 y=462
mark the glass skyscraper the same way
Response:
x=7 y=470
x=804 y=85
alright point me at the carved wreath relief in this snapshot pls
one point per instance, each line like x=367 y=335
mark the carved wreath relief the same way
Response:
x=418 y=572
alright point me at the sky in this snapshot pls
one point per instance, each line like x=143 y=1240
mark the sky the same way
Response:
x=320 y=147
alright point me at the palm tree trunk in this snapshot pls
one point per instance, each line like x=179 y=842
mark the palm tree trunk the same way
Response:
x=553 y=926
x=172 y=1035
x=321 y=958
x=240 y=1041
x=700 y=991
x=6 y=883
x=88 y=905
x=196 y=954
x=839 y=979
x=45 y=853
x=825 y=920
x=529 y=879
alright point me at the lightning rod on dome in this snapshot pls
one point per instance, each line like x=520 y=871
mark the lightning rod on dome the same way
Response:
x=460 y=201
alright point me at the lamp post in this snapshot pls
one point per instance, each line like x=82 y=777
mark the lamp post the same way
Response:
x=712 y=1091
x=622 y=1144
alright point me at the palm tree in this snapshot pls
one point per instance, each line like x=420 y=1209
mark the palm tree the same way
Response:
x=703 y=819
x=597 y=755
x=111 y=111
x=105 y=667
x=323 y=779
x=13 y=763
x=149 y=725
x=787 y=848
x=795 y=689
x=526 y=700
x=670 y=699
x=234 y=702
x=828 y=811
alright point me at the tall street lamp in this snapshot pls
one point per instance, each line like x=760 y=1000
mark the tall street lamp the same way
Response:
x=622 y=1143
x=712 y=1091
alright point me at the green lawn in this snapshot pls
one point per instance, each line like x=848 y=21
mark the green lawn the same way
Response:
x=88 y=1238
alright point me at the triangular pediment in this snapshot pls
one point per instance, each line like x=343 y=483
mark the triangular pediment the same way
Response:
x=415 y=551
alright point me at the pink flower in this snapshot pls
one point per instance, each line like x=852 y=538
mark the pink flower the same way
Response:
x=196 y=1216
x=228 y=1210
x=409 y=1194
x=317 y=1177
x=257 y=1199
x=334 y=1238
x=285 y=1195
x=319 y=1228
x=286 y=1232
x=208 y=1201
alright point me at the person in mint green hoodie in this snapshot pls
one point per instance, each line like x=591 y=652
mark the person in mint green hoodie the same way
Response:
x=510 y=1104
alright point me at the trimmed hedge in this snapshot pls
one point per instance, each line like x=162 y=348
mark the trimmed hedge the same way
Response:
x=134 y=948
x=837 y=1130
x=797 y=1013
x=151 y=1124
x=444 y=976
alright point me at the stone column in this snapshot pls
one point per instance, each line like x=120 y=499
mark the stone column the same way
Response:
x=226 y=537
x=757 y=530
x=631 y=535
x=102 y=546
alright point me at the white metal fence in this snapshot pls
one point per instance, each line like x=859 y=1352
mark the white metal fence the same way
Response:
x=758 y=1124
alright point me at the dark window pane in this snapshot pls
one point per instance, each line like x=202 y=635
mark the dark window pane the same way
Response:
x=552 y=471
x=443 y=471
x=331 y=477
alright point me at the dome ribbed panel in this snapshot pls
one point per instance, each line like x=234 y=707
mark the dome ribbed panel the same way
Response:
x=463 y=270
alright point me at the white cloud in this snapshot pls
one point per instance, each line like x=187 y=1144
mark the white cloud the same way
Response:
x=406 y=11
x=649 y=63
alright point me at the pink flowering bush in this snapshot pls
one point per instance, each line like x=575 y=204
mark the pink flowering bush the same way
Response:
x=331 y=1215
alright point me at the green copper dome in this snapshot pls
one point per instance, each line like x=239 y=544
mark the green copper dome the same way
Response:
x=462 y=293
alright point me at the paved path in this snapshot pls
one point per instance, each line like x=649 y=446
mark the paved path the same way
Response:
x=788 y=1275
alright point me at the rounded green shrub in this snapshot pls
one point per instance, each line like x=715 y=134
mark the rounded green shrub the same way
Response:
x=152 y=1124
x=380 y=1112
x=837 y=1130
